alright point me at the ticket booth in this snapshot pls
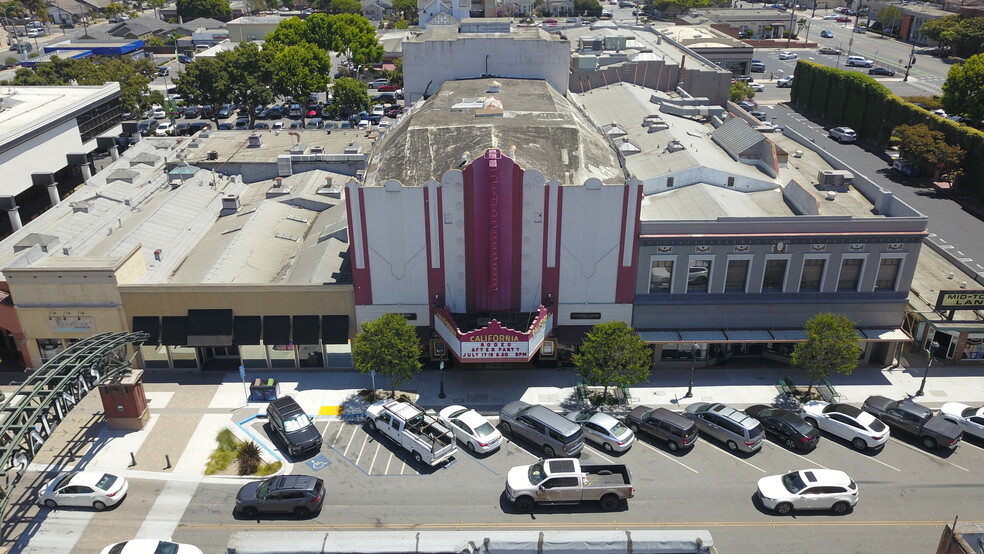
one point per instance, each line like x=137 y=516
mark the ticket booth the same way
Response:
x=124 y=401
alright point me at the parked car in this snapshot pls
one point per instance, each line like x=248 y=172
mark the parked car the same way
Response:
x=785 y=82
x=164 y=129
x=184 y=58
x=787 y=426
x=829 y=50
x=291 y=424
x=471 y=428
x=859 y=61
x=242 y=123
x=826 y=34
x=276 y=112
x=385 y=98
x=208 y=111
x=182 y=129
x=603 y=429
x=225 y=111
x=831 y=16
x=387 y=88
x=738 y=430
x=969 y=418
x=842 y=134
x=84 y=489
x=787 y=55
x=555 y=434
x=881 y=71
x=847 y=422
x=759 y=115
x=757 y=66
x=843 y=19
x=301 y=495
x=198 y=126
x=150 y=546
x=757 y=87
x=261 y=125
x=933 y=430
x=225 y=126
x=748 y=104
x=808 y=489
x=147 y=127
x=158 y=112
x=663 y=425
x=191 y=112
x=378 y=83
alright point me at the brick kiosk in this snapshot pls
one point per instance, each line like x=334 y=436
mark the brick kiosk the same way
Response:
x=124 y=401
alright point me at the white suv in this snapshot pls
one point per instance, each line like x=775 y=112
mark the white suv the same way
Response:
x=808 y=489
x=859 y=61
x=843 y=134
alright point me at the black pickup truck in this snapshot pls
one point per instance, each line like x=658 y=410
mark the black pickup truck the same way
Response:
x=916 y=419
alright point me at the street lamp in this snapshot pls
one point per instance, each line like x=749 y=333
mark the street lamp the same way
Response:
x=694 y=348
x=908 y=66
x=441 y=394
x=929 y=353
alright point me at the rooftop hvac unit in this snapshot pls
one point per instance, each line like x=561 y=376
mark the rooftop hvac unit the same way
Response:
x=255 y=141
x=230 y=202
x=317 y=149
x=835 y=177
x=212 y=155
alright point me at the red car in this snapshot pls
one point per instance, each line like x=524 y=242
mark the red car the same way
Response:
x=843 y=19
x=388 y=88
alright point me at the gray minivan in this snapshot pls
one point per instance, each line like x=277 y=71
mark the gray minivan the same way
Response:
x=735 y=428
x=663 y=425
x=554 y=433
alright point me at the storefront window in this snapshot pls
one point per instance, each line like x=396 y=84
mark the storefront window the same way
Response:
x=49 y=348
x=888 y=273
x=973 y=348
x=849 y=275
x=660 y=276
x=311 y=356
x=812 y=275
x=185 y=357
x=775 y=275
x=254 y=356
x=155 y=357
x=282 y=356
x=737 y=276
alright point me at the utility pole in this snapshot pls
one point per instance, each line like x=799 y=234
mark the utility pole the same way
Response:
x=908 y=66
x=792 y=16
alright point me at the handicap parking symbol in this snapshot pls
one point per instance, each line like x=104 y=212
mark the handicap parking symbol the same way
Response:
x=318 y=462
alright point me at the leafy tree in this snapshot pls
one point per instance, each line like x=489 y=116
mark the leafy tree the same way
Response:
x=831 y=345
x=300 y=70
x=351 y=96
x=935 y=29
x=890 y=17
x=928 y=149
x=291 y=32
x=114 y=9
x=206 y=82
x=191 y=9
x=740 y=91
x=154 y=41
x=388 y=345
x=344 y=6
x=963 y=91
x=587 y=7
x=968 y=37
x=250 y=72
x=613 y=355
x=406 y=8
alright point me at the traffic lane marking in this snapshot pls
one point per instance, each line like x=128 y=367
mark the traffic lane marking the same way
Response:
x=733 y=456
x=834 y=521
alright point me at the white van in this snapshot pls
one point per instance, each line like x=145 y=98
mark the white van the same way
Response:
x=859 y=61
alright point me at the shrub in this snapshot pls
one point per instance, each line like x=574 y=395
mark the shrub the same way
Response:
x=248 y=458
x=267 y=469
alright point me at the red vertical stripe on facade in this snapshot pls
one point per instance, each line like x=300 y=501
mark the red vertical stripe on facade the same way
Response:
x=625 y=283
x=361 y=278
x=551 y=275
x=435 y=276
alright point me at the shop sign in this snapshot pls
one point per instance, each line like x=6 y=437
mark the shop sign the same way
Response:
x=494 y=342
x=960 y=300
x=72 y=324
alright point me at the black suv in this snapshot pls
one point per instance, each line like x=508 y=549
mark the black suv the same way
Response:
x=915 y=419
x=663 y=425
x=785 y=425
x=289 y=422
x=301 y=495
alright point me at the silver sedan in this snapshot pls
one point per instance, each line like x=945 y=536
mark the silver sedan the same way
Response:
x=603 y=429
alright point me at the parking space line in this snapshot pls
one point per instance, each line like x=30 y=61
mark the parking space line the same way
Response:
x=598 y=453
x=388 y=462
x=797 y=454
x=373 y=462
x=362 y=448
x=882 y=463
x=349 y=445
x=324 y=434
x=667 y=456
x=927 y=454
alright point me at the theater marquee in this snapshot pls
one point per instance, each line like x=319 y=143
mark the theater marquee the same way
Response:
x=494 y=343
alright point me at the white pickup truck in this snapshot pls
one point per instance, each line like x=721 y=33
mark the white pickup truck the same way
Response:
x=409 y=426
x=566 y=481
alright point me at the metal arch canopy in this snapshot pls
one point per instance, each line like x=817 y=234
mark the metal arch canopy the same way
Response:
x=30 y=413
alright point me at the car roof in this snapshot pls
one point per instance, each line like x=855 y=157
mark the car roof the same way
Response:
x=825 y=477
x=89 y=478
x=295 y=482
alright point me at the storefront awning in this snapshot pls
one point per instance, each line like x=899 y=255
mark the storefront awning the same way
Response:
x=209 y=327
x=174 y=330
x=150 y=325
x=334 y=329
x=748 y=335
x=276 y=329
x=788 y=335
x=246 y=330
x=307 y=329
x=893 y=334
x=660 y=336
x=703 y=336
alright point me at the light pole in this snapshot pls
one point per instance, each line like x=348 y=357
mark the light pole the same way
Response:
x=929 y=353
x=693 y=362
x=912 y=62
x=441 y=394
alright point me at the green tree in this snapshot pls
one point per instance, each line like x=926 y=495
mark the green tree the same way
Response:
x=191 y=9
x=740 y=91
x=590 y=8
x=406 y=8
x=613 y=355
x=831 y=345
x=250 y=72
x=941 y=29
x=963 y=91
x=890 y=17
x=205 y=82
x=344 y=6
x=114 y=9
x=351 y=96
x=300 y=70
x=929 y=149
x=968 y=37
x=291 y=32
x=388 y=345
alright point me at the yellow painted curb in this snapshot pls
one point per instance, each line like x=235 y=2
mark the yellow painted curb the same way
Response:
x=331 y=410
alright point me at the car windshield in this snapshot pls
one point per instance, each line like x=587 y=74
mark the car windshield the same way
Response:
x=968 y=412
x=63 y=480
x=106 y=481
x=793 y=482
x=299 y=421
x=537 y=475
x=264 y=487
x=876 y=425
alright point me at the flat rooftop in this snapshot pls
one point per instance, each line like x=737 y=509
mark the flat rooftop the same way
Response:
x=933 y=274
x=234 y=147
x=527 y=119
x=702 y=36
x=31 y=109
x=646 y=41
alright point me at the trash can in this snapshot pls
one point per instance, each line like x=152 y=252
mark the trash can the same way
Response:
x=264 y=390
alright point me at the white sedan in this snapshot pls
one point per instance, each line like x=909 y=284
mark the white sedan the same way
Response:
x=969 y=418
x=150 y=546
x=808 y=489
x=85 y=488
x=603 y=429
x=757 y=87
x=831 y=16
x=847 y=422
x=471 y=428
x=787 y=55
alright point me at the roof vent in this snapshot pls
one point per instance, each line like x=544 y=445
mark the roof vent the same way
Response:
x=317 y=149
x=494 y=86
x=175 y=183
x=278 y=182
x=230 y=202
x=675 y=146
x=353 y=148
x=831 y=195
x=212 y=155
x=255 y=141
